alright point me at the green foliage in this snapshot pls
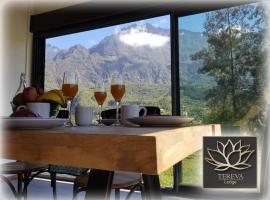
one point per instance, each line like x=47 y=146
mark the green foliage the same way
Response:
x=166 y=178
x=194 y=92
x=141 y=94
x=235 y=59
x=191 y=175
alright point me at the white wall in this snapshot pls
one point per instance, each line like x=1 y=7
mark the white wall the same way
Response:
x=15 y=49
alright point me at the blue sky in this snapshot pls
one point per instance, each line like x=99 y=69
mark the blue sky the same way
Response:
x=90 y=38
x=192 y=23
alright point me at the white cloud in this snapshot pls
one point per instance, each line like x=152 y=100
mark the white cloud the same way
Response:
x=156 y=24
x=139 y=37
x=163 y=21
x=238 y=30
x=141 y=22
x=117 y=29
x=92 y=42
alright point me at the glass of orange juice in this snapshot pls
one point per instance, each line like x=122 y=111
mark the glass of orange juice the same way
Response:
x=70 y=89
x=100 y=96
x=118 y=91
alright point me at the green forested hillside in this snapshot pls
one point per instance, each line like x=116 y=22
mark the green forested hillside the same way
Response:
x=146 y=69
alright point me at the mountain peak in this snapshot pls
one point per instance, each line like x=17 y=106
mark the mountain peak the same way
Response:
x=77 y=50
x=51 y=51
x=142 y=50
x=77 y=47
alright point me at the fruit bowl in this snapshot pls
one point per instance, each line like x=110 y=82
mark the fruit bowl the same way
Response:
x=54 y=97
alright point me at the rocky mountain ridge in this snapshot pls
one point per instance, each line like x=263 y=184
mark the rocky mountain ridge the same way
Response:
x=140 y=52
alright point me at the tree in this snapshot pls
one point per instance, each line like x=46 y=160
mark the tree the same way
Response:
x=235 y=59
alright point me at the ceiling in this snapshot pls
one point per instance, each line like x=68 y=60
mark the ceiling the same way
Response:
x=42 y=6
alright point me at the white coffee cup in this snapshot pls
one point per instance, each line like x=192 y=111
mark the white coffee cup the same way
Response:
x=39 y=108
x=129 y=111
x=83 y=115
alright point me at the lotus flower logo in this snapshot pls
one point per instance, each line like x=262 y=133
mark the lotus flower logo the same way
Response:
x=229 y=155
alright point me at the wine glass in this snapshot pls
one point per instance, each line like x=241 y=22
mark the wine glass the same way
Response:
x=118 y=91
x=70 y=89
x=100 y=96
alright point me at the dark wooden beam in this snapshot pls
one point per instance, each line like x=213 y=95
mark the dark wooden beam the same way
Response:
x=89 y=15
x=38 y=60
x=98 y=14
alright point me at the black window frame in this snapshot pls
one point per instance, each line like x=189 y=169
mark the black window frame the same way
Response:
x=42 y=29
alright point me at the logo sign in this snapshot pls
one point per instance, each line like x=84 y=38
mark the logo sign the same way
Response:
x=230 y=162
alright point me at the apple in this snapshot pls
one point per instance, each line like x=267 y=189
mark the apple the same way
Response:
x=30 y=94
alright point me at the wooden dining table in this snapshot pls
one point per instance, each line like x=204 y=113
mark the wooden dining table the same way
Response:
x=149 y=151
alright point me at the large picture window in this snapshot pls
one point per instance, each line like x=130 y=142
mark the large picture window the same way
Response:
x=222 y=73
x=139 y=50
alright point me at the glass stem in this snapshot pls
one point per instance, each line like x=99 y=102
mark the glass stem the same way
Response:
x=99 y=113
x=117 y=112
x=69 y=110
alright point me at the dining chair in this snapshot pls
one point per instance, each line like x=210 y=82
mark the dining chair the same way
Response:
x=25 y=172
x=121 y=180
x=62 y=169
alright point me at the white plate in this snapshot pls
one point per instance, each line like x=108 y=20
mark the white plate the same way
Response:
x=31 y=122
x=160 y=120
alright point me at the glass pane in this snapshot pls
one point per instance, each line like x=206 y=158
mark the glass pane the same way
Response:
x=222 y=71
x=139 y=50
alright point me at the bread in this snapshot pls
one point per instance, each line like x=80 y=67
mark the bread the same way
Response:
x=24 y=113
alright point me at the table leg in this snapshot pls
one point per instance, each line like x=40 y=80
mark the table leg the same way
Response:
x=151 y=187
x=25 y=180
x=177 y=176
x=19 y=190
x=99 y=184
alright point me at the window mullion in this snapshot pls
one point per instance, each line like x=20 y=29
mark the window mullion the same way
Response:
x=38 y=60
x=175 y=86
x=175 y=89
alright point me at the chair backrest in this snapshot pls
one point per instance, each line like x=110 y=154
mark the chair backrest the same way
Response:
x=62 y=169
x=111 y=113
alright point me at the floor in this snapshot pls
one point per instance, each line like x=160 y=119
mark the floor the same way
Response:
x=41 y=190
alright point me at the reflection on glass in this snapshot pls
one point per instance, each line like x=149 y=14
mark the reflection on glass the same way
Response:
x=222 y=72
